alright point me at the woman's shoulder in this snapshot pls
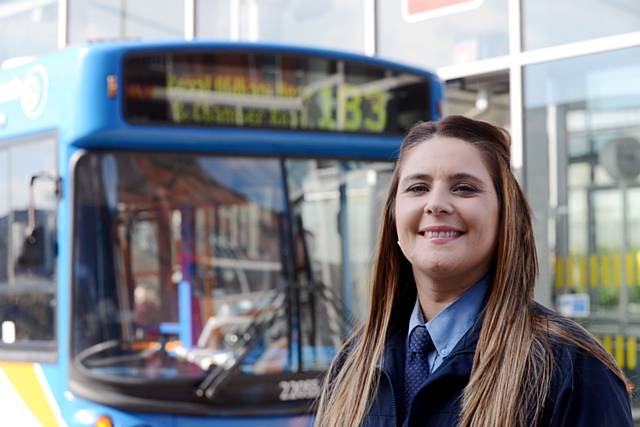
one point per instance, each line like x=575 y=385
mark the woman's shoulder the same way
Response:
x=581 y=367
x=586 y=384
x=574 y=348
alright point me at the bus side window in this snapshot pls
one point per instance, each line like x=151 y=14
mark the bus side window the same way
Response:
x=27 y=262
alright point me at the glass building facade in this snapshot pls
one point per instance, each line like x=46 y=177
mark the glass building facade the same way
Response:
x=561 y=76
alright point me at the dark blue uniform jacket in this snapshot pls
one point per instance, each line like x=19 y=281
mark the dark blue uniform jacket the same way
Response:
x=583 y=391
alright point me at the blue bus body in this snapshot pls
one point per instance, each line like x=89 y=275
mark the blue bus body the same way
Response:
x=64 y=98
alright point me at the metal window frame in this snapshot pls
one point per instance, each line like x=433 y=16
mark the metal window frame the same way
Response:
x=190 y=10
x=63 y=23
x=370 y=28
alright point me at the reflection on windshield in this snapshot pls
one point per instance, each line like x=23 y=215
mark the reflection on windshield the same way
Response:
x=191 y=266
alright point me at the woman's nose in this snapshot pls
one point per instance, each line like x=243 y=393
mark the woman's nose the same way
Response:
x=437 y=204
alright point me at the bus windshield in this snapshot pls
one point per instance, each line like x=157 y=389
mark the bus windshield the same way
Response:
x=189 y=264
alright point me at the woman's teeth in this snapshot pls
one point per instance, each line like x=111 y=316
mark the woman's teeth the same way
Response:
x=441 y=234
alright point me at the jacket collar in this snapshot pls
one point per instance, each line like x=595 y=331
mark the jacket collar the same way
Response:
x=394 y=351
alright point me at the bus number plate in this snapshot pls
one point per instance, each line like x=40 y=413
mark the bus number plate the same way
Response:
x=298 y=390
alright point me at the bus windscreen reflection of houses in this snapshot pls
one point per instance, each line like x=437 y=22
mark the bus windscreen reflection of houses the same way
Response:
x=214 y=222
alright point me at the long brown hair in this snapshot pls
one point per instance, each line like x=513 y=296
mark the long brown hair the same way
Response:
x=513 y=362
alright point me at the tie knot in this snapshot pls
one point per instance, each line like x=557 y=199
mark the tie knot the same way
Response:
x=420 y=340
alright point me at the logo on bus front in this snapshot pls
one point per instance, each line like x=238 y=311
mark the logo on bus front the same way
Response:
x=419 y=10
x=35 y=87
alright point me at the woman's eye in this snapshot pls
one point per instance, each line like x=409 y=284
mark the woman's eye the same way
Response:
x=418 y=188
x=464 y=189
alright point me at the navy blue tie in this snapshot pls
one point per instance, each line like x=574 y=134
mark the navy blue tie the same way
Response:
x=416 y=367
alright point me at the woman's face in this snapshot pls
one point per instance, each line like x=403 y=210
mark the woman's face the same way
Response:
x=446 y=210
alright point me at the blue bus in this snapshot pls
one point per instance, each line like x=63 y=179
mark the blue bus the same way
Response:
x=186 y=228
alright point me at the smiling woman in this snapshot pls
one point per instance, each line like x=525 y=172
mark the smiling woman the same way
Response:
x=447 y=216
x=453 y=335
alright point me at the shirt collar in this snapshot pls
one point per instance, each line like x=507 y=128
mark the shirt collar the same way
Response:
x=449 y=326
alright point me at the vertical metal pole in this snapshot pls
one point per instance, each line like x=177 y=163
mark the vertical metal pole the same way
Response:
x=293 y=290
x=343 y=226
x=234 y=20
x=184 y=314
x=187 y=268
x=515 y=90
x=370 y=27
x=189 y=19
x=254 y=20
x=561 y=188
x=541 y=183
x=624 y=290
x=63 y=23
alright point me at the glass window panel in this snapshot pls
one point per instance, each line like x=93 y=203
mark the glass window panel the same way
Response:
x=115 y=19
x=479 y=31
x=305 y=22
x=633 y=218
x=336 y=224
x=286 y=21
x=27 y=297
x=208 y=226
x=582 y=125
x=27 y=27
x=545 y=21
x=601 y=176
x=27 y=318
x=607 y=209
x=214 y=19
x=32 y=261
x=578 y=243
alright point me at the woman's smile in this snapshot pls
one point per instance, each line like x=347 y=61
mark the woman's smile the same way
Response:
x=440 y=234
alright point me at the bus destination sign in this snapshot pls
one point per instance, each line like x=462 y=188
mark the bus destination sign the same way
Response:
x=271 y=91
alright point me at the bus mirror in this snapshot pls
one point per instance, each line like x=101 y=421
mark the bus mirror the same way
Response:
x=32 y=252
x=30 y=232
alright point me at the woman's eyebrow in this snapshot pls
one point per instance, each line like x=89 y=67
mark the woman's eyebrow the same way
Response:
x=460 y=176
x=416 y=177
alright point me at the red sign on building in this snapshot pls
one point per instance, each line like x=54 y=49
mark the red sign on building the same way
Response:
x=418 y=10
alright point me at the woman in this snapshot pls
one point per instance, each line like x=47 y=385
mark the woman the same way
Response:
x=456 y=251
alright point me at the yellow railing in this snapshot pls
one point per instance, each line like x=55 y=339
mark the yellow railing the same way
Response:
x=605 y=270
x=623 y=349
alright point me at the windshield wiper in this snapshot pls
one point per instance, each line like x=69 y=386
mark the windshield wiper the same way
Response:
x=112 y=352
x=220 y=374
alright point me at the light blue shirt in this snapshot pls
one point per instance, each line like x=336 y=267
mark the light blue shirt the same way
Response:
x=449 y=326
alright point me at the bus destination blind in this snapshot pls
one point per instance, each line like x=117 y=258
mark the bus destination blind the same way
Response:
x=271 y=91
